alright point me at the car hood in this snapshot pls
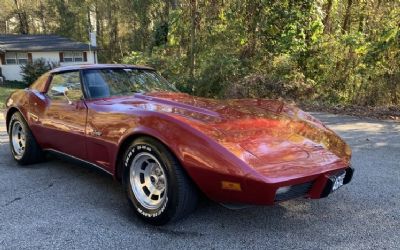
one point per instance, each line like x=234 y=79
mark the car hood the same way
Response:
x=269 y=135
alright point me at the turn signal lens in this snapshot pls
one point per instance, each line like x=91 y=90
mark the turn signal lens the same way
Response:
x=235 y=186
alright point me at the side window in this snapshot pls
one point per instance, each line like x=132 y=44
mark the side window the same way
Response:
x=65 y=86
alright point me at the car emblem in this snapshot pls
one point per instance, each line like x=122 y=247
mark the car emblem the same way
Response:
x=96 y=133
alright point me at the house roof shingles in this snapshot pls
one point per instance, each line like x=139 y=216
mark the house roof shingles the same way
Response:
x=40 y=43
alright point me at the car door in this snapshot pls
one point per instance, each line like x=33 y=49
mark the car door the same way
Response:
x=61 y=122
x=103 y=125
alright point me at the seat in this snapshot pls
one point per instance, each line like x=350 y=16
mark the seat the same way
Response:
x=99 y=92
x=98 y=88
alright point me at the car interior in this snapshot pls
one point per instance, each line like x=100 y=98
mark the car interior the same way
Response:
x=96 y=85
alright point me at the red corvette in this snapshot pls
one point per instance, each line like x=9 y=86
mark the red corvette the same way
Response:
x=166 y=147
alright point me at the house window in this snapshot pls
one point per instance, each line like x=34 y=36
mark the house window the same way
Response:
x=22 y=58
x=78 y=57
x=16 y=58
x=73 y=57
x=11 y=58
x=68 y=57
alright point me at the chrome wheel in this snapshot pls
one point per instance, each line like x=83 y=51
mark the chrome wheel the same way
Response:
x=18 y=139
x=148 y=180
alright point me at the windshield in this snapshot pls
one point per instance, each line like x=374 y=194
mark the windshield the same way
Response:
x=102 y=83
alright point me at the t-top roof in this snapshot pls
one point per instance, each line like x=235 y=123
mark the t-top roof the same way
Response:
x=98 y=66
x=40 y=43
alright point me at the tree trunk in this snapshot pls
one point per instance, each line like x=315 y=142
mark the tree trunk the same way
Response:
x=327 y=19
x=113 y=32
x=252 y=13
x=42 y=15
x=22 y=18
x=347 y=17
x=174 y=4
x=362 y=16
x=99 y=26
x=165 y=16
x=193 y=10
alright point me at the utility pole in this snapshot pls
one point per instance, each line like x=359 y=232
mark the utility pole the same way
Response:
x=92 y=35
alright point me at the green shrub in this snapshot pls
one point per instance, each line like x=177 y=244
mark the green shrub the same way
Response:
x=32 y=70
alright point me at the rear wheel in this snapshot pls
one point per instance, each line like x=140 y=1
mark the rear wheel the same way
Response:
x=157 y=187
x=24 y=147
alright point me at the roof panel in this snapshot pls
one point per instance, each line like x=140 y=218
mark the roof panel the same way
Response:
x=98 y=66
x=40 y=43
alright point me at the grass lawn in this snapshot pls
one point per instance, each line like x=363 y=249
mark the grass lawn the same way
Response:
x=6 y=90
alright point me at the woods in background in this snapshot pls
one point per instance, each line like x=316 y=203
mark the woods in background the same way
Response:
x=331 y=51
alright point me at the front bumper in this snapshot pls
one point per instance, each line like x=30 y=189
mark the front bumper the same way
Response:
x=319 y=188
x=328 y=189
x=262 y=193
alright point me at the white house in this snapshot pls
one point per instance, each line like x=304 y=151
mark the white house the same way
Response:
x=16 y=50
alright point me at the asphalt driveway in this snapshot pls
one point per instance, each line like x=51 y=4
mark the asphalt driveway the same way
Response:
x=60 y=205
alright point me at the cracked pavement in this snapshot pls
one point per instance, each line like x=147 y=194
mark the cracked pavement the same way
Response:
x=64 y=205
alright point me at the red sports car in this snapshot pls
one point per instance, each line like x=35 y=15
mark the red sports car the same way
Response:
x=166 y=147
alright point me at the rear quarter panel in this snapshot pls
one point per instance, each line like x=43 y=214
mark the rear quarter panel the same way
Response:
x=18 y=101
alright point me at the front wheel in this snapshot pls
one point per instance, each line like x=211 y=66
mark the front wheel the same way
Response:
x=157 y=187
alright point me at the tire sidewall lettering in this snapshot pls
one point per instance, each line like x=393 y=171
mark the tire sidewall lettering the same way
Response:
x=157 y=213
x=133 y=150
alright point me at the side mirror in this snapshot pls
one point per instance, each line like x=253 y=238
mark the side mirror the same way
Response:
x=61 y=91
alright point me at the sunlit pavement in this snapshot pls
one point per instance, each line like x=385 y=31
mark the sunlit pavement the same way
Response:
x=60 y=205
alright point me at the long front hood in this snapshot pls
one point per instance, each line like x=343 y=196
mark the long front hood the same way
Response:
x=274 y=138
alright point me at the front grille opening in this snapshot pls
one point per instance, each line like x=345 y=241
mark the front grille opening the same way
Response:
x=294 y=191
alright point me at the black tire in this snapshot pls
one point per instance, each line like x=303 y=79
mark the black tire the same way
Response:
x=181 y=195
x=32 y=152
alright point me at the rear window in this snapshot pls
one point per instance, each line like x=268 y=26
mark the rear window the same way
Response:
x=40 y=83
